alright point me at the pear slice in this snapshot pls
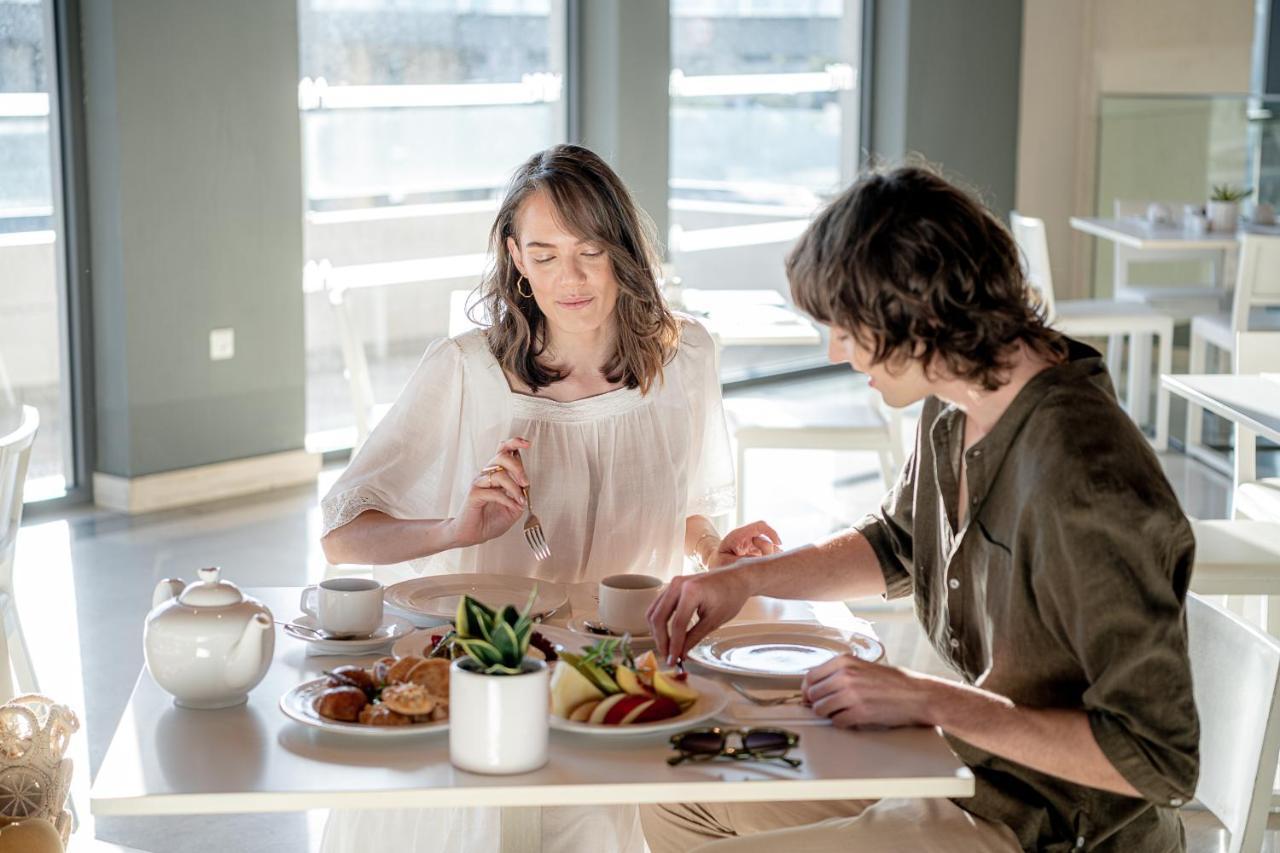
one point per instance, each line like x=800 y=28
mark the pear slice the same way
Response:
x=569 y=689
x=677 y=691
x=630 y=682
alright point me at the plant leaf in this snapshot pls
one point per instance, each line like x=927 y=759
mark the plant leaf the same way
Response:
x=480 y=651
x=508 y=644
x=510 y=615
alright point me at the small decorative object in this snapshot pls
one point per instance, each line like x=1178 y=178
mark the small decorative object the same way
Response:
x=497 y=694
x=1196 y=225
x=208 y=644
x=1263 y=214
x=35 y=775
x=1159 y=214
x=1224 y=206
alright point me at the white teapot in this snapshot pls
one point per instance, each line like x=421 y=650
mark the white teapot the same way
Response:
x=208 y=644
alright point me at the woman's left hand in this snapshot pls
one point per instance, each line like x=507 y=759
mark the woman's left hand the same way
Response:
x=756 y=539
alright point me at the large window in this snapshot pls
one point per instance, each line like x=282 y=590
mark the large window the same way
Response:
x=764 y=126
x=414 y=114
x=33 y=353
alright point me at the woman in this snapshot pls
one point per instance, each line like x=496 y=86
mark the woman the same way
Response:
x=587 y=391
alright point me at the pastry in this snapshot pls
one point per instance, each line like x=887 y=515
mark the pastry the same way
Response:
x=399 y=671
x=408 y=699
x=433 y=674
x=357 y=674
x=343 y=704
x=440 y=712
x=380 y=715
x=380 y=669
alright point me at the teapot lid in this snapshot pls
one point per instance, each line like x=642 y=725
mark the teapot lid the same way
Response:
x=210 y=591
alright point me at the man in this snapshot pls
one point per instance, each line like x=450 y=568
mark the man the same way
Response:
x=1045 y=550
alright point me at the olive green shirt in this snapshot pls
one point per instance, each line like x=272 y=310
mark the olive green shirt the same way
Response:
x=1064 y=588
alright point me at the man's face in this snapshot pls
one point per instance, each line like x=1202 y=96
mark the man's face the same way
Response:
x=901 y=380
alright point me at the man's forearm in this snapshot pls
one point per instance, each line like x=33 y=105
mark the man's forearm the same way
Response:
x=376 y=538
x=1054 y=741
x=839 y=568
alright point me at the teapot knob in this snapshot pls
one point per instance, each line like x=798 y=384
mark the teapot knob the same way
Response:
x=210 y=574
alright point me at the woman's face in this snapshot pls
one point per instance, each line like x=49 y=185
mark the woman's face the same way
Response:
x=572 y=280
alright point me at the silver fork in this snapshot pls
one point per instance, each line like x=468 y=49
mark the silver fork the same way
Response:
x=766 y=700
x=532 y=527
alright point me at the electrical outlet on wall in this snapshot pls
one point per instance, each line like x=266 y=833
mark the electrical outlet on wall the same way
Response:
x=222 y=344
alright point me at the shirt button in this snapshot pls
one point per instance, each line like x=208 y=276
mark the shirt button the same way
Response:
x=955 y=644
x=1080 y=843
x=1176 y=802
x=975 y=453
x=954 y=583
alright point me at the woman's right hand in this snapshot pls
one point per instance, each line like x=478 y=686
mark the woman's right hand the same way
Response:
x=495 y=501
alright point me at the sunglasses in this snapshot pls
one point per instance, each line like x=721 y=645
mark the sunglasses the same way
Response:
x=705 y=744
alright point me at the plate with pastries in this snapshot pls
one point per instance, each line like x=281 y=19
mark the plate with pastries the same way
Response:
x=392 y=697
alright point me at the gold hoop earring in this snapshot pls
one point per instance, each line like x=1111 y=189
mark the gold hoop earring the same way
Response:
x=528 y=295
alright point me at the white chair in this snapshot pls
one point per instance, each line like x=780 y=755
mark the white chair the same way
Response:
x=1256 y=352
x=1257 y=289
x=15 y=453
x=1101 y=318
x=1240 y=557
x=1235 y=671
x=768 y=423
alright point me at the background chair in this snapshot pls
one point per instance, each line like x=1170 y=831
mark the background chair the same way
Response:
x=1235 y=669
x=1101 y=318
x=1256 y=352
x=762 y=422
x=15 y=454
x=1257 y=289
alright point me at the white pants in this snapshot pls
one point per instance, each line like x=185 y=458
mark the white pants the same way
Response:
x=857 y=826
x=565 y=829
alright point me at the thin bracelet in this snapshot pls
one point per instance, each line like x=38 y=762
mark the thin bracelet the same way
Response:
x=697 y=553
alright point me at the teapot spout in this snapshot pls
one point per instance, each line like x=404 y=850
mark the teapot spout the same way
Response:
x=165 y=590
x=246 y=662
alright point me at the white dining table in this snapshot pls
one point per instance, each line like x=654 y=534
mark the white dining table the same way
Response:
x=166 y=760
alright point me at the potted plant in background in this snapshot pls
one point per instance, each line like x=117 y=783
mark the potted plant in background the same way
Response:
x=498 y=696
x=1224 y=206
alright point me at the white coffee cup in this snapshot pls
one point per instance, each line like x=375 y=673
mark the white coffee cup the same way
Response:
x=624 y=600
x=348 y=606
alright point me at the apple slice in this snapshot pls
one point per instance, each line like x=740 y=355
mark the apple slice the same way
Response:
x=631 y=682
x=627 y=710
x=569 y=689
x=598 y=715
x=680 y=693
x=582 y=713
x=661 y=708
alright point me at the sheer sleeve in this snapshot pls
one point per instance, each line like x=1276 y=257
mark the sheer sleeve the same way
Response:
x=711 y=482
x=408 y=466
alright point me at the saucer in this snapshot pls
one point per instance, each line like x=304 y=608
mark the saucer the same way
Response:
x=589 y=627
x=391 y=629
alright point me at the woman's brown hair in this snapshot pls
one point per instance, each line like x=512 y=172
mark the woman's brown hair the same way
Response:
x=592 y=203
x=915 y=266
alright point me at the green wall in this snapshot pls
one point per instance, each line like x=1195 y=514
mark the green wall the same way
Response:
x=196 y=217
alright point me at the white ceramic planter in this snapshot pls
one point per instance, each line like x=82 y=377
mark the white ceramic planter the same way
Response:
x=498 y=723
x=1223 y=216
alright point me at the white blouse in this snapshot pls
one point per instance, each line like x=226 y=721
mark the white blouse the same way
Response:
x=612 y=477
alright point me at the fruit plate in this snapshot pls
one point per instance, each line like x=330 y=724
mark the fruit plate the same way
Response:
x=712 y=700
x=779 y=651
x=299 y=705
x=437 y=596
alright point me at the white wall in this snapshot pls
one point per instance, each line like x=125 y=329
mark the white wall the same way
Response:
x=1073 y=52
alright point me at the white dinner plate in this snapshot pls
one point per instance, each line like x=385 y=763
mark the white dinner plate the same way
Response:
x=391 y=629
x=779 y=651
x=712 y=701
x=437 y=596
x=299 y=704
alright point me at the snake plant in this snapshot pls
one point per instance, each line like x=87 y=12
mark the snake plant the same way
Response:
x=1228 y=193
x=496 y=640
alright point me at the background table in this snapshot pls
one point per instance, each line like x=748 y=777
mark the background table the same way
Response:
x=169 y=760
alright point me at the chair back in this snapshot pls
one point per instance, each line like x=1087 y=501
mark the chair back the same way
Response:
x=15 y=454
x=1257 y=278
x=1257 y=352
x=1029 y=234
x=1235 y=669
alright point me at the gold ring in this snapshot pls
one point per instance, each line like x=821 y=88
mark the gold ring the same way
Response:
x=489 y=483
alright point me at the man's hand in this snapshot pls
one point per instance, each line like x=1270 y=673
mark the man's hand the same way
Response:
x=756 y=539
x=853 y=693
x=715 y=598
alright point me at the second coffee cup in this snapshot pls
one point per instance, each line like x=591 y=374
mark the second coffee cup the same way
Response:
x=624 y=600
x=345 y=606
